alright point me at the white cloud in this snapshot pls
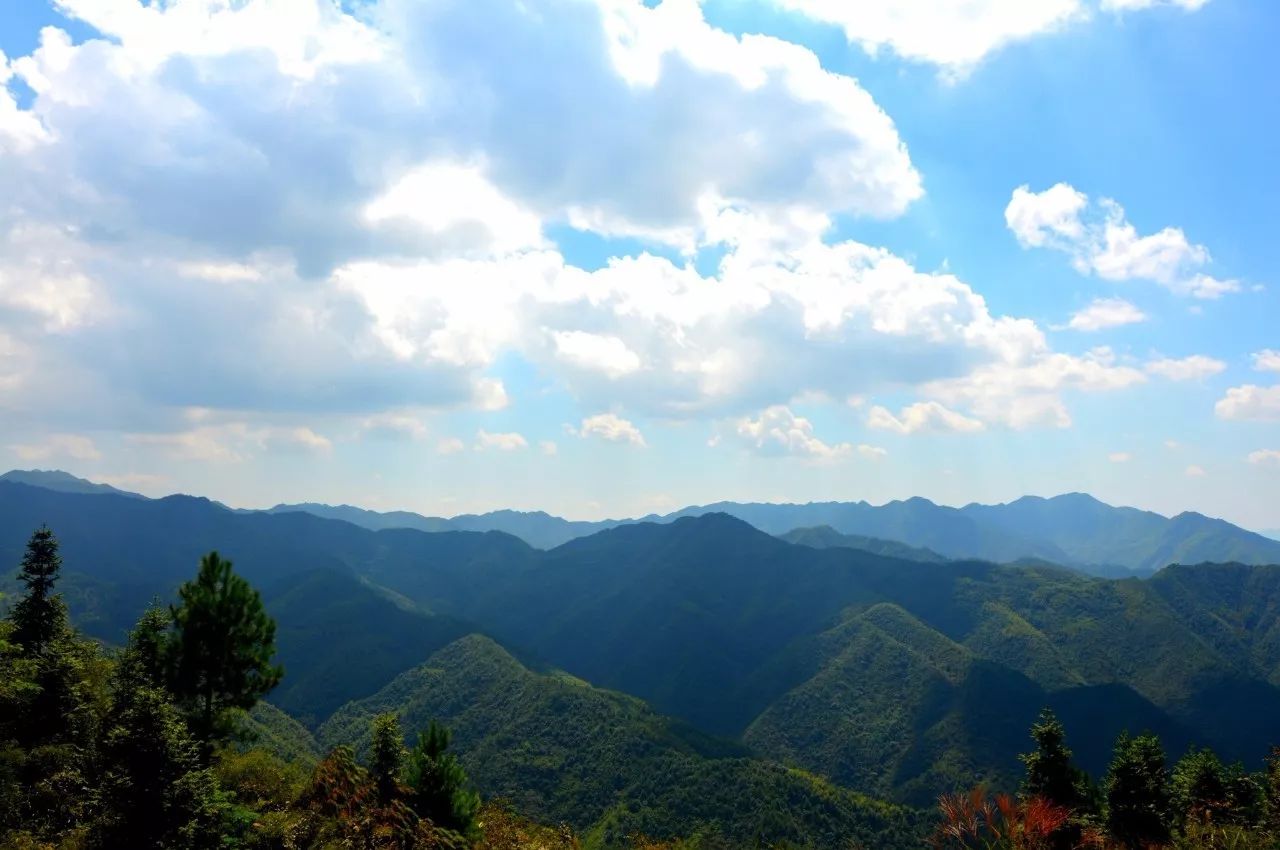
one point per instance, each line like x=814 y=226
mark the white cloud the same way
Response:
x=73 y=446
x=503 y=442
x=776 y=431
x=611 y=427
x=1101 y=241
x=457 y=205
x=1250 y=402
x=548 y=448
x=1046 y=219
x=922 y=416
x=594 y=352
x=1027 y=393
x=1267 y=360
x=450 y=446
x=351 y=219
x=1103 y=313
x=1265 y=457
x=231 y=441
x=394 y=425
x=1192 y=368
x=1120 y=457
x=1194 y=471
x=955 y=34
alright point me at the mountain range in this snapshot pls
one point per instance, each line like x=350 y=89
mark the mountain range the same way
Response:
x=1074 y=530
x=703 y=659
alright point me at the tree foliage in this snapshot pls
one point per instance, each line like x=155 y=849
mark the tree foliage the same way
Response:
x=439 y=788
x=40 y=615
x=221 y=650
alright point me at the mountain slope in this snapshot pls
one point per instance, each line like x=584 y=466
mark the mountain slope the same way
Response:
x=340 y=639
x=826 y=537
x=899 y=710
x=62 y=482
x=565 y=751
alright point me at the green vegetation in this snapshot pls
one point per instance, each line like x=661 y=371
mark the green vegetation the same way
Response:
x=563 y=751
x=219 y=655
x=1140 y=805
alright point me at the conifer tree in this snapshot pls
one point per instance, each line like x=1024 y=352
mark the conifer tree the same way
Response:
x=440 y=790
x=40 y=615
x=1050 y=774
x=387 y=758
x=1137 y=788
x=219 y=655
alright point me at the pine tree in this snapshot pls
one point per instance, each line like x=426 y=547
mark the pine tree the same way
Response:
x=155 y=792
x=1137 y=788
x=1199 y=787
x=40 y=615
x=440 y=791
x=1050 y=774
x=220 y=651
x=387 y=758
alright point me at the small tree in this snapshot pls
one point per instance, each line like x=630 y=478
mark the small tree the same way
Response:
x=387 y=758
x=440 y=791
x=221 y=649
x=1050 y=774
x=1199 y=787
x=155 y=793
x=1137 y=788
x=40 y=615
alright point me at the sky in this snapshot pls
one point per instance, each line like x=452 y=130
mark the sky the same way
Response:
x=606 y=257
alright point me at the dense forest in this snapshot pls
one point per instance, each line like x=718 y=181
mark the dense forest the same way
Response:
x=165 y=743
x=692 y=680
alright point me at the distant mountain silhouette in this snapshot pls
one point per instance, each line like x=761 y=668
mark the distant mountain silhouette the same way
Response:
x=1073 y=529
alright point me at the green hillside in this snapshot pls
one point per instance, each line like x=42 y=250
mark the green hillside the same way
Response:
x=562 y=750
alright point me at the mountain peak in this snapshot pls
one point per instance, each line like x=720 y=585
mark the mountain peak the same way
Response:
x=62 y=482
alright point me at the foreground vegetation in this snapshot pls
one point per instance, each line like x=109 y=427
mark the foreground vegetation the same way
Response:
x=1141 y=804
x=145 y=747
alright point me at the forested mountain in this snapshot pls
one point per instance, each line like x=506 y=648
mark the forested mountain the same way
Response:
x=826 y=537
x=1074 y=529
x=899 y=677
x=563 y=750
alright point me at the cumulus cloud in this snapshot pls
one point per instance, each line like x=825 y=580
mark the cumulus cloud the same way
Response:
x=1120 y=457
x=594 y=352
x=777 y=431
x=1265 y=457
x=611 y=427
x=1250 y=402
x=347 y=217
x=503 y=441
x=1192 y=368
x=1194 y=471
x=1102 y=241
x=1027 y=393
x=955 y=34
x=73 y=446
x=1267 y=360
x=1103 y=313
x=922 y=416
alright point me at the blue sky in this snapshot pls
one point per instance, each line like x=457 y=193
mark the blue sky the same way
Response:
x=602 y=257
